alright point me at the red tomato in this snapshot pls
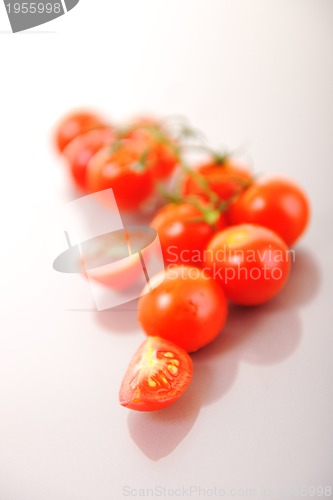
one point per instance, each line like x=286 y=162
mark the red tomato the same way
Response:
x=184 y=232
x=187 y=308
x=161 y=149
x=108 y=259
x=80 y=150
x=276 y=203
x=157 y=376
x=121 y=275
x=75 y=124
x=225 y=178
x=162 y=160
x=251 y=262
x=121 y=169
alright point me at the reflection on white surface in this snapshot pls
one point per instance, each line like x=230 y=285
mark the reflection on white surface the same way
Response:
x=263 y=335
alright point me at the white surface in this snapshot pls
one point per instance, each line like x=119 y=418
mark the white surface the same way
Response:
x=259 y=412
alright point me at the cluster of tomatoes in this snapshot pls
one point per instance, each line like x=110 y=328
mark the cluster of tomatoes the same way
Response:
x=131 y=160
x=226 y=237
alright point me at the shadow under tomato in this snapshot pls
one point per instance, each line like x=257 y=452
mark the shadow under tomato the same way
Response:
x=158 y=433
x=262 y=335
x=259 y=335
x=123 y=318
x=304 y=281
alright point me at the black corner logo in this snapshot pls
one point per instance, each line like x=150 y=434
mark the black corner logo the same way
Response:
x=27 y=14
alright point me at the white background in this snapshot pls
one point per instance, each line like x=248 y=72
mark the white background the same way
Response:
x=259 y=411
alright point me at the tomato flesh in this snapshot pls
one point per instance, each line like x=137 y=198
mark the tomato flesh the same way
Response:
x=157 y=376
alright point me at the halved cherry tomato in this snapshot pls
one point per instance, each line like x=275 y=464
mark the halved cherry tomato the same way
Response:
x=75 y=124
x=122 y=169
x=274 y=202
x=80 y=150
x=159 y=147
x=184 y=230
x=251 y=262
x=157 y=376
x=187 y=308
x=225 y=178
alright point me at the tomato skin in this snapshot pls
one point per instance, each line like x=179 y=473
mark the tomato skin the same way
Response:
x=162 y=152
x=80 y=150
x=75 y=124
x=274 y=202
x=250 y=262
x=113 y=259
x=120 y=273
x=187 y=308
x=119 y=276
x=225 y=178
x=183 y=238
x=120 y=170
x=162 y=160
x=157 y=376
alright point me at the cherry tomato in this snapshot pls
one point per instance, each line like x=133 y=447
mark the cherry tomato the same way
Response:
x=184 y=230
x=251 y=262
x=121 y=169
x=75 y=124
x=108 y=259
x=113 y=259
x=276 y=203
x=225 y=178
x=161 y=150
x=186 y=308
x=157 y=376
x=80 y=150
x=162 y=159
